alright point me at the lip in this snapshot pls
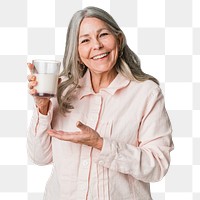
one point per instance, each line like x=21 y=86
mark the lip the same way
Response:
x=107 y=53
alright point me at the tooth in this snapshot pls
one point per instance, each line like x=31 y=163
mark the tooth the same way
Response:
x=100 y=56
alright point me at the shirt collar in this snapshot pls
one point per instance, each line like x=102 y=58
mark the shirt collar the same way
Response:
x=86 y=86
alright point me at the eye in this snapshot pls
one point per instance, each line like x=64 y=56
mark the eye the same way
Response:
x=103 y=34
x=84 y=41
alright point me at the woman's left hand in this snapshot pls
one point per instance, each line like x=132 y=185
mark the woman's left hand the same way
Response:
x=86 y=136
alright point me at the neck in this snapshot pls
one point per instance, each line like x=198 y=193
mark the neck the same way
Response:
x=102 y=80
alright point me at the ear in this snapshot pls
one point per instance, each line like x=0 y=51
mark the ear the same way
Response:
x=79 y=61
x=120 y=40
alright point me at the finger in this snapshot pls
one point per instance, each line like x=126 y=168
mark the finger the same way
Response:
x=52 y=131
x=32 y=91
x=70 y=134
x=61 y=135
x=30 y=66
x=56 y=135
x=67 y=136
x=81 y=126
x=32 y=84
x=31 y=77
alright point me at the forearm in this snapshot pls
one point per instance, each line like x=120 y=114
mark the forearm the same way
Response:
x=38 y=141
x=147 y=163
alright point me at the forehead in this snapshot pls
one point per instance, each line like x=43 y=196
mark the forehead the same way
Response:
x=91 y=24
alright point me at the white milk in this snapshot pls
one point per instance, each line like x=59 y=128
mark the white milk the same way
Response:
x=47 y=84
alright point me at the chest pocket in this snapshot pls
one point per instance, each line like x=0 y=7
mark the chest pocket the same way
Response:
x=120 y=131
x=68 y=121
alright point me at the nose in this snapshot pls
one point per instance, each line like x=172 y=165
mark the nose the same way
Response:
x=97 y=44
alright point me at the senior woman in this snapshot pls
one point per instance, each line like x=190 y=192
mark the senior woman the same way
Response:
x=107 y=133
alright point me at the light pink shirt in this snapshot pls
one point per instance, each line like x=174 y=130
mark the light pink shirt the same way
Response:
x=132 y=119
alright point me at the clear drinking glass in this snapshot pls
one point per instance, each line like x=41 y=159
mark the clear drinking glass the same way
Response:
x=46 y=72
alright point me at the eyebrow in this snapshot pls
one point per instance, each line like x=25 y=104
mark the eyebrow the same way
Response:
x=98 y=31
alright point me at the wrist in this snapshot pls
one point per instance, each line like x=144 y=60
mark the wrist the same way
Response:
x=43 y=109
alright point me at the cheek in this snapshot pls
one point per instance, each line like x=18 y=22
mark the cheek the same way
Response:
x=116 y=51
x=83 y=52
x=114 y=46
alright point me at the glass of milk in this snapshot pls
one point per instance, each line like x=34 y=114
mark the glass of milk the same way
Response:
x=46 y=72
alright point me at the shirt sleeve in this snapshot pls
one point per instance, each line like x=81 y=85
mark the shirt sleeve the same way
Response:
x=150 y=160
x=38 y=141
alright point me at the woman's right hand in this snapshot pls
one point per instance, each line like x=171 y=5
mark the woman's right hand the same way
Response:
x=41 y=103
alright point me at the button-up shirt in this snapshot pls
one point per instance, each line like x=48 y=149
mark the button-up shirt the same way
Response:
x=131 y=118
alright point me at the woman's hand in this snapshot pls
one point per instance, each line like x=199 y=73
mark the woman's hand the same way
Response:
x=41 y=102
x=86 y=136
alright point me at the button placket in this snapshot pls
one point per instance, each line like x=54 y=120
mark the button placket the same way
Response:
x=84 y=170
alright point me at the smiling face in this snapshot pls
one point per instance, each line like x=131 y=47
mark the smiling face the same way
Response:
x=98 y=47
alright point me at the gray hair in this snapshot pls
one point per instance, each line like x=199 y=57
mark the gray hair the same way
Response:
x=128 y=63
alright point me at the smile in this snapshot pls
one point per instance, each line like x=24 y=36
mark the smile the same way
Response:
x=100 y=56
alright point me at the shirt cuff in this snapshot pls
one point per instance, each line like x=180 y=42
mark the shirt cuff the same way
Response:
x=107 y=153
x=45 y=119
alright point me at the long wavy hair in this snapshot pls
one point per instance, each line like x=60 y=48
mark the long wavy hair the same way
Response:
x=128 y=63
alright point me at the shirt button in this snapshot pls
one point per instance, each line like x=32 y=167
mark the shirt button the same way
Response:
x=101 y=162
x=82 y=187
x=85 y=163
